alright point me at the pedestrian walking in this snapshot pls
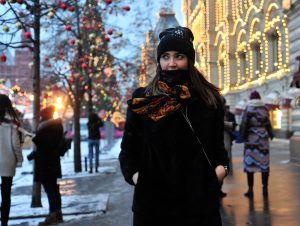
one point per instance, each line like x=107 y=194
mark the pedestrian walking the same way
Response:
x=229 y=132
x=256 y=130
x=94 y=135
x=47 y=161
x=229 y=128
x=10 y=153
x=172 y=149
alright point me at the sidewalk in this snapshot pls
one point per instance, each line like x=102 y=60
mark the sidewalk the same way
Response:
x=282 y=208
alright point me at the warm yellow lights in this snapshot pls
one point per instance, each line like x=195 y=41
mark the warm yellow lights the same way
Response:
x=276 y=117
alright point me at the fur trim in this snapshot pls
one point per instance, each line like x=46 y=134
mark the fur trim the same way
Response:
x=255 y=103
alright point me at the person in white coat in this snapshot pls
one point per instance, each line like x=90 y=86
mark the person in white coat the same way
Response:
x=10 y=153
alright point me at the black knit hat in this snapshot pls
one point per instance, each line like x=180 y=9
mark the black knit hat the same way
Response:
x=176 y=39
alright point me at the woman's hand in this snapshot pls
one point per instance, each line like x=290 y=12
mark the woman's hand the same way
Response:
x=220 y=172
x=135 y=177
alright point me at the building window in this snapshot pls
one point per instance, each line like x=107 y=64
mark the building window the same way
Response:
x=256 y=58
x=273 y=52
x=243 y=66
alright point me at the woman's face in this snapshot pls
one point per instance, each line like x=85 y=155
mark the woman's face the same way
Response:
x=173 y=60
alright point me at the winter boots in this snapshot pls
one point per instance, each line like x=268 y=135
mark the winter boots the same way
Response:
x=250 y=180
x=52 y=218
x=265 y=179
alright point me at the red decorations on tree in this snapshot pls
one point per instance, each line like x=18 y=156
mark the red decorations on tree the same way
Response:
x=108 y=1
x=63 y=6
x=3 y=57
x=81 y=60
x=126 y=8
x=81 y=79
x=20 y=1
x=83 y=19
x=84 y=66
x=110 y=31
x=90 y=71
x=68 y=27
x=107 y=38
x=21 y=13
x=71 y=8
x=3 y=2
x=73 y=41
x=27 y=34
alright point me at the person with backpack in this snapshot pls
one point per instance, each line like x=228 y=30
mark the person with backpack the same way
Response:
x=10 y=153
x=47 y=161
x=94 y=136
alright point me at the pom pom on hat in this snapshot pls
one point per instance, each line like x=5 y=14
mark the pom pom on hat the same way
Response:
x=254 y=95
x=176 y=39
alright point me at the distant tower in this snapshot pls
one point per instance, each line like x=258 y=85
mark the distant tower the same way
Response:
x=167 y=5
x=166 y=19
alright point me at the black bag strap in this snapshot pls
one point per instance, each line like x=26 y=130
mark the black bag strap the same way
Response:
x=185 y=115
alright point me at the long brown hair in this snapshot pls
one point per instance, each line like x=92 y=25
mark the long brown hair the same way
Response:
x=208 y=93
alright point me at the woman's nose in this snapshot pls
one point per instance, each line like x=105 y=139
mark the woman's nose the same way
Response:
x=172 y=62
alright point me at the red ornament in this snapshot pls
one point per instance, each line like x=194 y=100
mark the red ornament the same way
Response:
x=81 y=60
x=63 y=6
x=20 y=1
x=83 y=19
x=110 y=31
x=87 y=57
x=46 y=58
x=3 y=57
x=73 y=41
x=126 y=8
x=27 y=34
x=71 y=8
x=108 y=1
x=68 y=27
x=49 y=65
x=21 y=13
x=3 y=2
x=90 y=71
x=84 y=65
x=81 y=79
x=107 y=38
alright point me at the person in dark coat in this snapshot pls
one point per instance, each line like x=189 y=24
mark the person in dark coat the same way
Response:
x=172 y=150
x=10 y=153
x=94 y=136
x=256 y=130
x=47 y=161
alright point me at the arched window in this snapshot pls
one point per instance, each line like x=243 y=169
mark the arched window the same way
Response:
x=243 y=65
x=256 y=58
x=273 y=52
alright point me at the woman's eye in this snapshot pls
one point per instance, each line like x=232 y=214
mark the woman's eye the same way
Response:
x=180 y=56
x=165 y=57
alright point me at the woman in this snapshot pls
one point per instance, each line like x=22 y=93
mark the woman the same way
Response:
x=10 y=153
x=47 y=162
x=173 y=149
x=94 y=125
x=256 y=130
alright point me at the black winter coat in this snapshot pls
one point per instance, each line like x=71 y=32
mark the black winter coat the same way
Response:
x=47 y=158
x=94 y=129
x=174 y=176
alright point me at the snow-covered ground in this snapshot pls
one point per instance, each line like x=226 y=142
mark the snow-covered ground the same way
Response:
x=74 y=205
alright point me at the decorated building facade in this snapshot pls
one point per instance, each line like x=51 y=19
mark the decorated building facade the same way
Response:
x=243 y=45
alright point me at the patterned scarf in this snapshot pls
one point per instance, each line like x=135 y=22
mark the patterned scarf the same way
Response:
x=157 y=107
